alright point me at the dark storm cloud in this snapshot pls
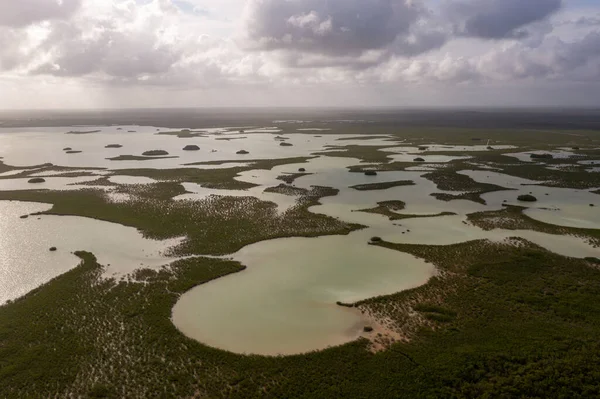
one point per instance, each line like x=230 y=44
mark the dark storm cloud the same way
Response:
x=333 y=28
x=497 y=19
x=16 y=13
x=569 y=56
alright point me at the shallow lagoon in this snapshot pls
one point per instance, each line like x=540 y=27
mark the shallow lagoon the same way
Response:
x=284 y=303
x=16 y=148
x=25 y=259
x=305 y=277
x=554 y=205
x=250 y=311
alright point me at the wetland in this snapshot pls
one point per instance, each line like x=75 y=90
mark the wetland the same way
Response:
x=200 y=269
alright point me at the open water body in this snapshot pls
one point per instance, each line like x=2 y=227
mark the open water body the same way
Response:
x=284 y=302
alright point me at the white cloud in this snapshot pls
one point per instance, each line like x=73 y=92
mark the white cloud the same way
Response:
x=331 y=28
x=270 y=46
x=17 y=13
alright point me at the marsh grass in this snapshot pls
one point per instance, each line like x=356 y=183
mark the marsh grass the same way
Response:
x=511 y=217
x=390 y=209
x=370 y=154
x=449 y=180
x=212 y=178
x=286 y=189
x=290 y=178
x=498 y=319
x=383 y=185
x=141 y=157
x=215 y=225
x=505 y=320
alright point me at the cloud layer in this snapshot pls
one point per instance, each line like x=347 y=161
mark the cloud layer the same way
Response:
x=25 y=12
x=335 y=27
x=296 y=43
x=497 y=19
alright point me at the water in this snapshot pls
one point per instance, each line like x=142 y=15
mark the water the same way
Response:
x=25 y=259
x=51 y=183
x=306 y=277
x=285 y=301
x=558 y=206
x=16 y=146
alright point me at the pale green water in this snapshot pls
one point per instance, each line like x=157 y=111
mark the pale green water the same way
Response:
x=284 y=302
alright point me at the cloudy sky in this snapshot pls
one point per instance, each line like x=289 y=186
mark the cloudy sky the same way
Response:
x=194 y=53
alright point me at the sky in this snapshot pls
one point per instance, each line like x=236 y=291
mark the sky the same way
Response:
x=67 y=54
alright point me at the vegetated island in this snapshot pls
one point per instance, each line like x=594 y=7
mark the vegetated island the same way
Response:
x=83 y=131
x=499 y=319
x=155 y=153
x=383 y=185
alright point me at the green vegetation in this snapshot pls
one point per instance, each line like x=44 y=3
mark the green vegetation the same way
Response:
x=383 y=186
x=286 y=189
x=371 y=154
x=78 y=347
x=211 y=178
x=215 y=225
x=83 y=131
x=139 y=158
x=230 y=138
x=155 y=153
x=386 y=167
x=577 y=178
x=183 y=134
x=504 y=321
x=290 y=178
x=542 y=156
x=512 y=218
x=435 y=312
x=527 y=198
x=498 y=319
x=103 y=181
x=256 y=163
x=366 y=137
x=449 y=180
x=36 y=180
x=390 y=209
x=5 y=168
x=113 y=146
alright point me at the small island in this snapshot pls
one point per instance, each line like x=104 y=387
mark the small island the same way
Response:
x=527 y=198
x=155 y=153
x=542 y=156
